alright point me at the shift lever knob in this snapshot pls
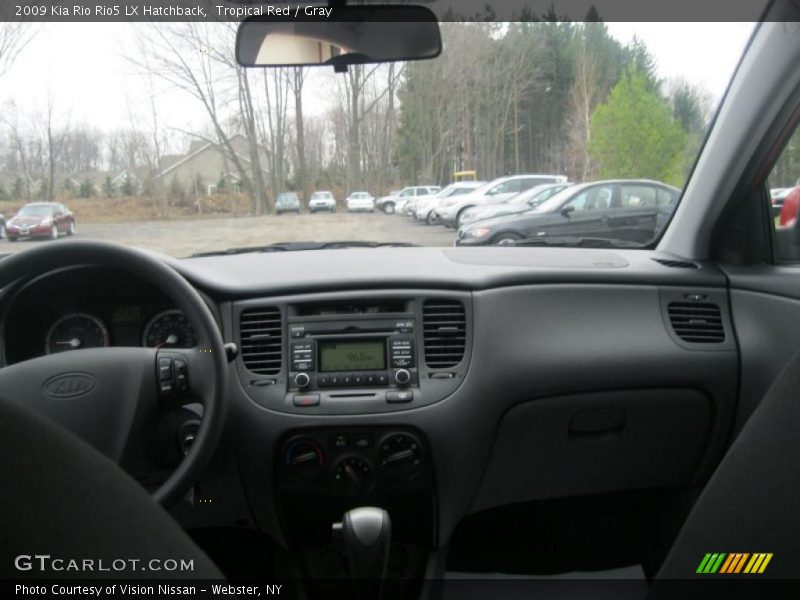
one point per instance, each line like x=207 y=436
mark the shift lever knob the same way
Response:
x=367 y=533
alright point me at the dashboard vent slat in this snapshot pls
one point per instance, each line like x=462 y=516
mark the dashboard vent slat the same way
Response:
x=444 y=332
x=697 y=323
x=261 y=332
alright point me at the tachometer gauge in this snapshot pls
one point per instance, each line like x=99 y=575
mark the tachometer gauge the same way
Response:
x=169 y=329
x=74 y=331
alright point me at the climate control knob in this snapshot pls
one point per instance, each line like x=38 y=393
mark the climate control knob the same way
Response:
x=401 y=456
x=402 y=376
x=353 y=475
x=303 y=459
x=301 y=380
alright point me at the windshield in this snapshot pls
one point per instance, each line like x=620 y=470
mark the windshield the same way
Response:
x=153 y=136
x=33 y=210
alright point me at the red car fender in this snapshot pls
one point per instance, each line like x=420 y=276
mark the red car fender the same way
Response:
x=791 y=203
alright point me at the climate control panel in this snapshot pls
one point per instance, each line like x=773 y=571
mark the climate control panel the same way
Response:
x=321 y=472
x=352 y=462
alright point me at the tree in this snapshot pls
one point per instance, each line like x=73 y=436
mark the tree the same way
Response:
x=126 y=189
x=13 y=38
x=634 y=134
x=171 y=52
x=18 y=189
x=108 y=187
x=68 y=185
x=86 y=189
x=296 y=81
x=3 y=193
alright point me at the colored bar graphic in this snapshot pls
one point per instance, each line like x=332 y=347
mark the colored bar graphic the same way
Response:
x=764 y=564
x=734 y=563
x=717 y=563
x=740 y=563
x=727 y=564
x=703 y=563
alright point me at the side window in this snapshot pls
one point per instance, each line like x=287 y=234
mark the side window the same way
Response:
x=595 y=198
x=578 y=202
x=406 y=193
x=784 y=201
x=637 y=196
x=507 y=187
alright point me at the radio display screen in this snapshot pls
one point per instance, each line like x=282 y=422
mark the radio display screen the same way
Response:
x=361 y=355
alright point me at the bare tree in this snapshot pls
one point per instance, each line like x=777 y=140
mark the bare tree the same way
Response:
x=55 y=137
x=14 y=37
x=192 y=58
x=297 y=79
x=583 y=99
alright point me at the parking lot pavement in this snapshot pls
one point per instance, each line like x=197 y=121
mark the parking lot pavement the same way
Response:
x=187 y=236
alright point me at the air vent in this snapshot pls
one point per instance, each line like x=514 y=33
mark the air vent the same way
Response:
x=676 y=264
x=444 y=331
x=260 y=333
x=697 y=322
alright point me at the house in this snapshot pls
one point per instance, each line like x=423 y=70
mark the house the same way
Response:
x=207 y=164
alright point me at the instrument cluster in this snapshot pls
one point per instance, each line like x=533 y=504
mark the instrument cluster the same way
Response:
x=90 y=308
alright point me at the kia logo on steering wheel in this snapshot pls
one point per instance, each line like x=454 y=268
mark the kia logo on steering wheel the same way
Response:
x=69 y=385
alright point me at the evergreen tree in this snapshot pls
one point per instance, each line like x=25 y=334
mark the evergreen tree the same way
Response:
x=127 y=186
x=86 y=189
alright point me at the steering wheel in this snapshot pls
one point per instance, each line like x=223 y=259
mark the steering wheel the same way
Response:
x=110 y=396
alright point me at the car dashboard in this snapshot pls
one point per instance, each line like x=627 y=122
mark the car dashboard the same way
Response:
x=437 y=383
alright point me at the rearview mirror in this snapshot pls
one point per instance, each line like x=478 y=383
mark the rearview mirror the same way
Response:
x=346 y=35
x=567 y=210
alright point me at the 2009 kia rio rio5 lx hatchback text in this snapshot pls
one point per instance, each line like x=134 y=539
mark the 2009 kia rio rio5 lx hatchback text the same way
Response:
x=591 y=395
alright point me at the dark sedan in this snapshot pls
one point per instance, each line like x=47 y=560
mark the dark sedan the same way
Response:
x=622 y=209
x=42 y=220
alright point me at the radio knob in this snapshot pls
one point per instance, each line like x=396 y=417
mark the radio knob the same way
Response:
x=402 y=376
x=301 y=380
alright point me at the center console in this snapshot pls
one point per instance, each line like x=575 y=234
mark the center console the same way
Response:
x=352 y=353
x=346 y=356
x=324 y=472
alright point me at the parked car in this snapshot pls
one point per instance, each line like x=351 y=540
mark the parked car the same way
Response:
x=777 y=197
x=287 y=202
x=360 y=202
x=2 y=226
x=409 y=208
x=394 y=202
x=632 y=210
x=322 y=201
x=41 y=219
x=522 y=202
x=451 y=211
x=789 y=207
x=425 y=206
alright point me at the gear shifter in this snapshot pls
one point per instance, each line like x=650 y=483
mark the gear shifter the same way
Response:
x=367 y=533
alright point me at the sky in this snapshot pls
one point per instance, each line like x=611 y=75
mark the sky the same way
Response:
x=83 y=65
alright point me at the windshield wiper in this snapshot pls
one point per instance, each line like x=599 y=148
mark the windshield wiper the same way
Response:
x=578 y=242
x=293 y=246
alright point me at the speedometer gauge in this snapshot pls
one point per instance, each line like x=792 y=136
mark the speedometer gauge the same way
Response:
x=76 y=330
x=169 y=329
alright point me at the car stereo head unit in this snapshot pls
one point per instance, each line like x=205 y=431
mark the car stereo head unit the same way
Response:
x=352 y=352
